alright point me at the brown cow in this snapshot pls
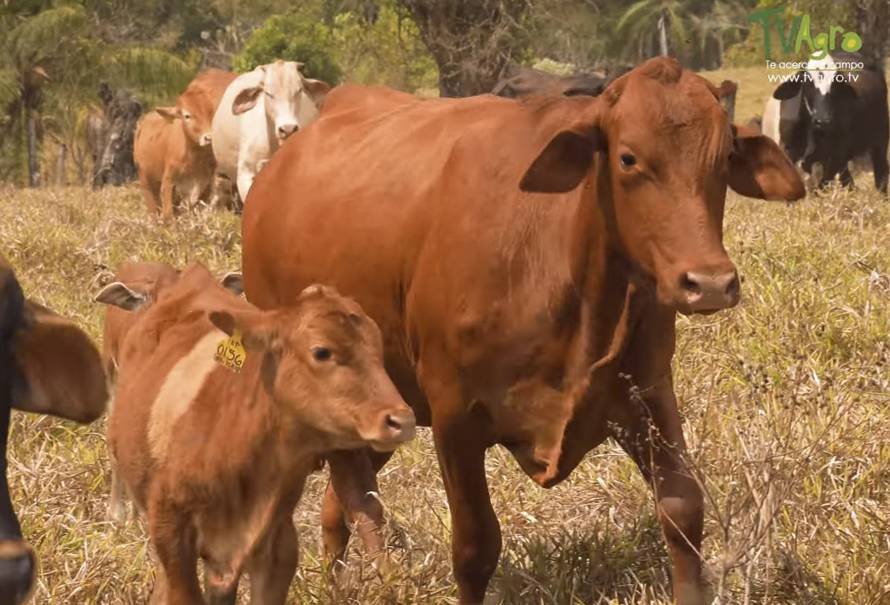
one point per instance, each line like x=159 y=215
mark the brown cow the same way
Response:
x=217 y=458
x=47 y=366
x=136 y=286
x=172 y=144
x=527 y=81
x=525 y=261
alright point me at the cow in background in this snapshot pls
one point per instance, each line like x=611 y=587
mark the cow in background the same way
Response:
x=47 y=366
x=259 y=110
x=172 y=147
x=526 y=81
x=829 y=116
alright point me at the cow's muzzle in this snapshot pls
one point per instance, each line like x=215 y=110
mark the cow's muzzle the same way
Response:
x=391 y=429
x=707 y=292
x=17 y=569
x=285 y=130
x=205 y=139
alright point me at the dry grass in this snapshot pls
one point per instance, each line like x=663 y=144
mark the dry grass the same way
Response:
x=785 y=399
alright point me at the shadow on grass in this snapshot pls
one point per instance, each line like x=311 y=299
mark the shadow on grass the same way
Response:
x=601 y=564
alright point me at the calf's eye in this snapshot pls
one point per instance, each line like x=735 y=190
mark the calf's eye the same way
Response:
x=321 y=353
x=627 y=160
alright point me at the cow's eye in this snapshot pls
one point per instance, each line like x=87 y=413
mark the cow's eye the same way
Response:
x=321 y=353
x=627 y=160
x=186 y=115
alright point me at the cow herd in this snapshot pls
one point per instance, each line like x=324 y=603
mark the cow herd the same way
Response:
x=506 y=271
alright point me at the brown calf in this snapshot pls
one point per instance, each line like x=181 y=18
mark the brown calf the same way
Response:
x=172 y=145
x=136 y=286
x=217 y=458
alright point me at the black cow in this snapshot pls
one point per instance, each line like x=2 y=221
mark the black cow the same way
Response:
x=839 y=114
x=524 y=81
x=48 y=366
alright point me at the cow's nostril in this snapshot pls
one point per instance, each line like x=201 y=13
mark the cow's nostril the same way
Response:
x=732 y=289
x=393 y=423
x=690 y=284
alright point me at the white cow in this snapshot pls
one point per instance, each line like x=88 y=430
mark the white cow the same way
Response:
x=258 y=111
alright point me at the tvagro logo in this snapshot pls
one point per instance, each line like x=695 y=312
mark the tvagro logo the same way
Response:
x=792 y=39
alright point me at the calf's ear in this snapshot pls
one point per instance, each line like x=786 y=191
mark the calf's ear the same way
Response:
x=758 y=168
x=169 y=113
x=59 y=369
x=256 y=333
x=246 y=99
x=567 y=157
x=120 y=295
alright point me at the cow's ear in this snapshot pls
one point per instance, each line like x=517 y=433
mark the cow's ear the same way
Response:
x=169 y=113
x=233 y=281
x=566 y=158
x=843 y=90
x=59 y=369
x=120 y=295
x=246 y=99
x=256 y=332
x=758 y=168
x=791 y=87
x=317 y=89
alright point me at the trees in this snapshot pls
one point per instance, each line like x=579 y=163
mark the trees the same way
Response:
x=471 y=40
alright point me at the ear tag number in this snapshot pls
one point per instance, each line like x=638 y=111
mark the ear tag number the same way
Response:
x=231 y=353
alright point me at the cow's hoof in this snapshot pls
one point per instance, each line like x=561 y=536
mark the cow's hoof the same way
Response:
x=17 y=566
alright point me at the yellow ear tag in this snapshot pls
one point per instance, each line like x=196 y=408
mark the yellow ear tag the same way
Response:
x=231 y=353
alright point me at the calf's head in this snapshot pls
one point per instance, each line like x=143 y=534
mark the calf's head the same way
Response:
x=323 y=363
x=667 y=154
x=291 y=100
x=194 y=112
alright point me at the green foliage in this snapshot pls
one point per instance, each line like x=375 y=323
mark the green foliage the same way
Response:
x=295 y=36
x=389 y=51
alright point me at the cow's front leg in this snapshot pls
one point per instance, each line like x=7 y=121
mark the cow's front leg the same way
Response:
x=352 y=496
x=167 y=191
x=17 y=564
x=462 y=433
x=247 y=171
x=173 y=538
x=272 y=568
x=650 y=432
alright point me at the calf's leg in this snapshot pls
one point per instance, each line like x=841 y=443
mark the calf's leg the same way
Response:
x=651 y=433
x=350 y=496
x=174 y=541
x=272 y=567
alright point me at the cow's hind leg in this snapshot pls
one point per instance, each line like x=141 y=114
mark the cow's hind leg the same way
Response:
x=880 y=167
x=273 y=567
x=651 y=433
x=352 y=496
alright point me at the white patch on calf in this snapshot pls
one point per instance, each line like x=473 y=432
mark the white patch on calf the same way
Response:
x=180 y=388
x=822 y=71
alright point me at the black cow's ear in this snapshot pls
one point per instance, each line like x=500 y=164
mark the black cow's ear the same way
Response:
x=842 y=90
x=791 y=87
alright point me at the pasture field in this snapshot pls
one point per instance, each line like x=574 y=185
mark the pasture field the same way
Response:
x=786 y=401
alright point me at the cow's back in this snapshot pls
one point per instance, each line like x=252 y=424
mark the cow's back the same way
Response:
x=413 y=208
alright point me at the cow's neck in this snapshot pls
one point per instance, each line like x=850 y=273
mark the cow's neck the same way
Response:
x=602 y=317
